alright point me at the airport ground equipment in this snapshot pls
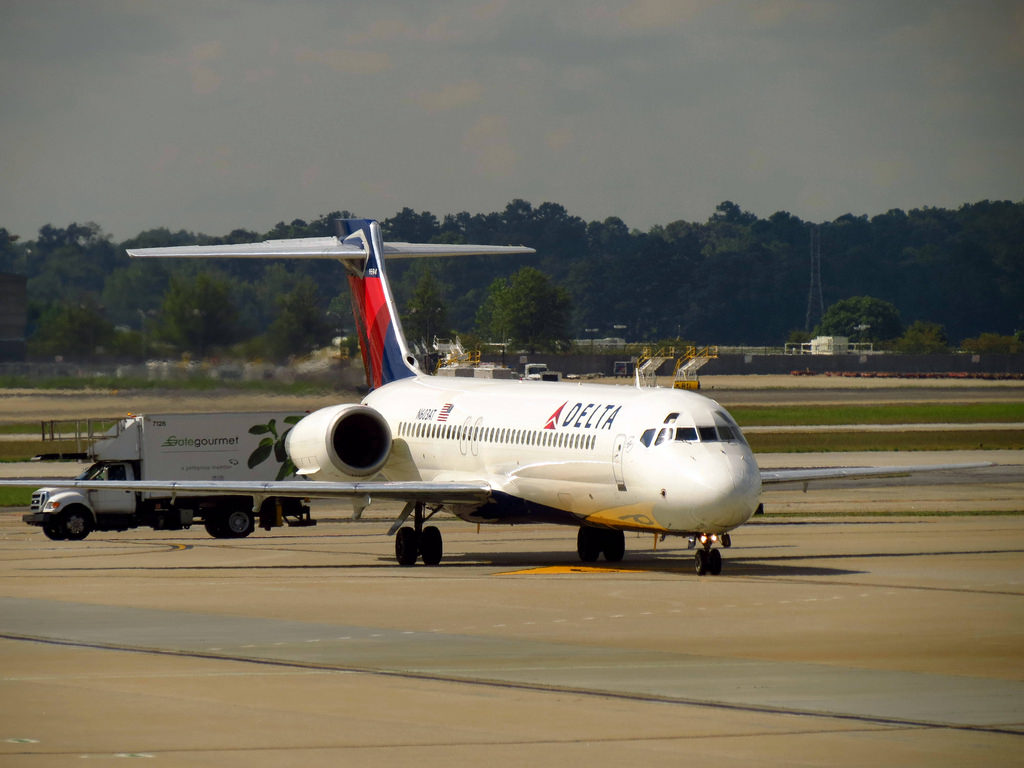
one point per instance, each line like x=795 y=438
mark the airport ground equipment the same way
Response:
x=540 y=372
x=180 y=447
x=689 y=362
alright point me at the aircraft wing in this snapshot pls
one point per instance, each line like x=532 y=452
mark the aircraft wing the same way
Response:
x=429 y=493
x=806 y=475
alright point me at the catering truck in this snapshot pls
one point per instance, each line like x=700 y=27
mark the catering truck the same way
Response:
x=177 y=446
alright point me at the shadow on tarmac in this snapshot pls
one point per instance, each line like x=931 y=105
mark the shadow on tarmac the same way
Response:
x=741 y=563
x=506 y=565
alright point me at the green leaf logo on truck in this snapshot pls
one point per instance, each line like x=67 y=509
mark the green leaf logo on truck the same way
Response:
x=273 y=444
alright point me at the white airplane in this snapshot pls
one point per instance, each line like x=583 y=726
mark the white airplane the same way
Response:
x=606 y=459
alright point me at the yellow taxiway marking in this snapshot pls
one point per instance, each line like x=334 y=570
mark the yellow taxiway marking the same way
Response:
x=561 y=569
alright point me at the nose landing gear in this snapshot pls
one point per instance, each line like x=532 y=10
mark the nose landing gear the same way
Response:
x=707 y=560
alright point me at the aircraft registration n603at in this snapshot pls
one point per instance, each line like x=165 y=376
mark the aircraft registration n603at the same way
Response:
x=604 y=459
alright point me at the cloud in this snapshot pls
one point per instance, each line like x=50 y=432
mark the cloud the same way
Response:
x=559 y=138
x=633 y=18
x=451 y=96
x=203 y=64
x=488 y=142
x=654 y=15
x=165 y=159
x=345 y=61
x=205 y=78
x=650 y=110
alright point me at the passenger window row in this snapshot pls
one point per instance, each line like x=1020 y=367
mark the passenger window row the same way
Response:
x=541 y=438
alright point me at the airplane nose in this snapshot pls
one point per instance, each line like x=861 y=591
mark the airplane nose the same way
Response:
x=726 y=493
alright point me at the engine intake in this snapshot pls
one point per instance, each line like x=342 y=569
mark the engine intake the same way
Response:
x=340 y=442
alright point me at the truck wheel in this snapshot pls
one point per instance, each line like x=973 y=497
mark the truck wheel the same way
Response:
x=214 y=525
x=75 y=523
x=54 y=531
x=239 y=523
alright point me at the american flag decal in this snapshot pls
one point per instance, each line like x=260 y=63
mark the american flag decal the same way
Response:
x=443 y=415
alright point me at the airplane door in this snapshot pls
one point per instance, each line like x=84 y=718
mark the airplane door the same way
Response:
x=617 y=453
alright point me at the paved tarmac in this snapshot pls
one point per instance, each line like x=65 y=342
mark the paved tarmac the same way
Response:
x=826 y=641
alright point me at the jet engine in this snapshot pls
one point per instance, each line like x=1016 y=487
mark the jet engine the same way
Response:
x=340 y=442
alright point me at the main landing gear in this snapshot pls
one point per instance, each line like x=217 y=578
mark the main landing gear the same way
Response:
x=708 y=560
x=593 y=542
x=419 y=541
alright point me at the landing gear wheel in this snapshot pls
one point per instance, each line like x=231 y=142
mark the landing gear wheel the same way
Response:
x=588 y=544
x=613 y=545
x=431 y=545
x=714 y=562
x=700 y=562
x=239 y=523
x=406 y=546
x=74 y=524
x=707 y=561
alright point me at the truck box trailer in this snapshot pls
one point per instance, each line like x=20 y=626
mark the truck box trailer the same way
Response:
x=177 y=446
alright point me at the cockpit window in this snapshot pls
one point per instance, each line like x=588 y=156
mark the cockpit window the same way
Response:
x=727 y=428
x=686 y=434
x=670 y=418
x=707 y=434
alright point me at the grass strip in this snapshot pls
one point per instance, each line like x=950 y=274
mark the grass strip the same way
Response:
x=26 y=450
x=31 y=428
x=67 y=425
x=894 y=413
x=827 y=442
x=15 y=497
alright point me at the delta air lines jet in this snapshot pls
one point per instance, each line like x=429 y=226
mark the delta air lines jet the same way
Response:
x=605 y=459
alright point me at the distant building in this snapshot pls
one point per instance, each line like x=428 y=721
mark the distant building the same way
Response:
x=13 y=315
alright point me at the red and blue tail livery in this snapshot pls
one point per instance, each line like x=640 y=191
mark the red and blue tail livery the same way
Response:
x=386 y=357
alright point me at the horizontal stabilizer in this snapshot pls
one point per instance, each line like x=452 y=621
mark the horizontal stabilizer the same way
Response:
x=321 y=248
x=358 y=245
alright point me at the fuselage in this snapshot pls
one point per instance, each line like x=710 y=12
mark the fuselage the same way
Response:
x=661 y=460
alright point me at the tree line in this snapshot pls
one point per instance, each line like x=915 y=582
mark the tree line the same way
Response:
x=940 y=275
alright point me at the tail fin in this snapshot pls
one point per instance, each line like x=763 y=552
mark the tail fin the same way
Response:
x=360 y=248
x=386 y=356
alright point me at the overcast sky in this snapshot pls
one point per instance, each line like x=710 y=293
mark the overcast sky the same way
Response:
x=217 y=114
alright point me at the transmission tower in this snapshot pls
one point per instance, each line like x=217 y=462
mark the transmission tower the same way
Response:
x=815 y=302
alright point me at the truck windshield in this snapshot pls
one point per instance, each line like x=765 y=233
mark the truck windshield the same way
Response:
x=103 y=472
x=95 y=472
